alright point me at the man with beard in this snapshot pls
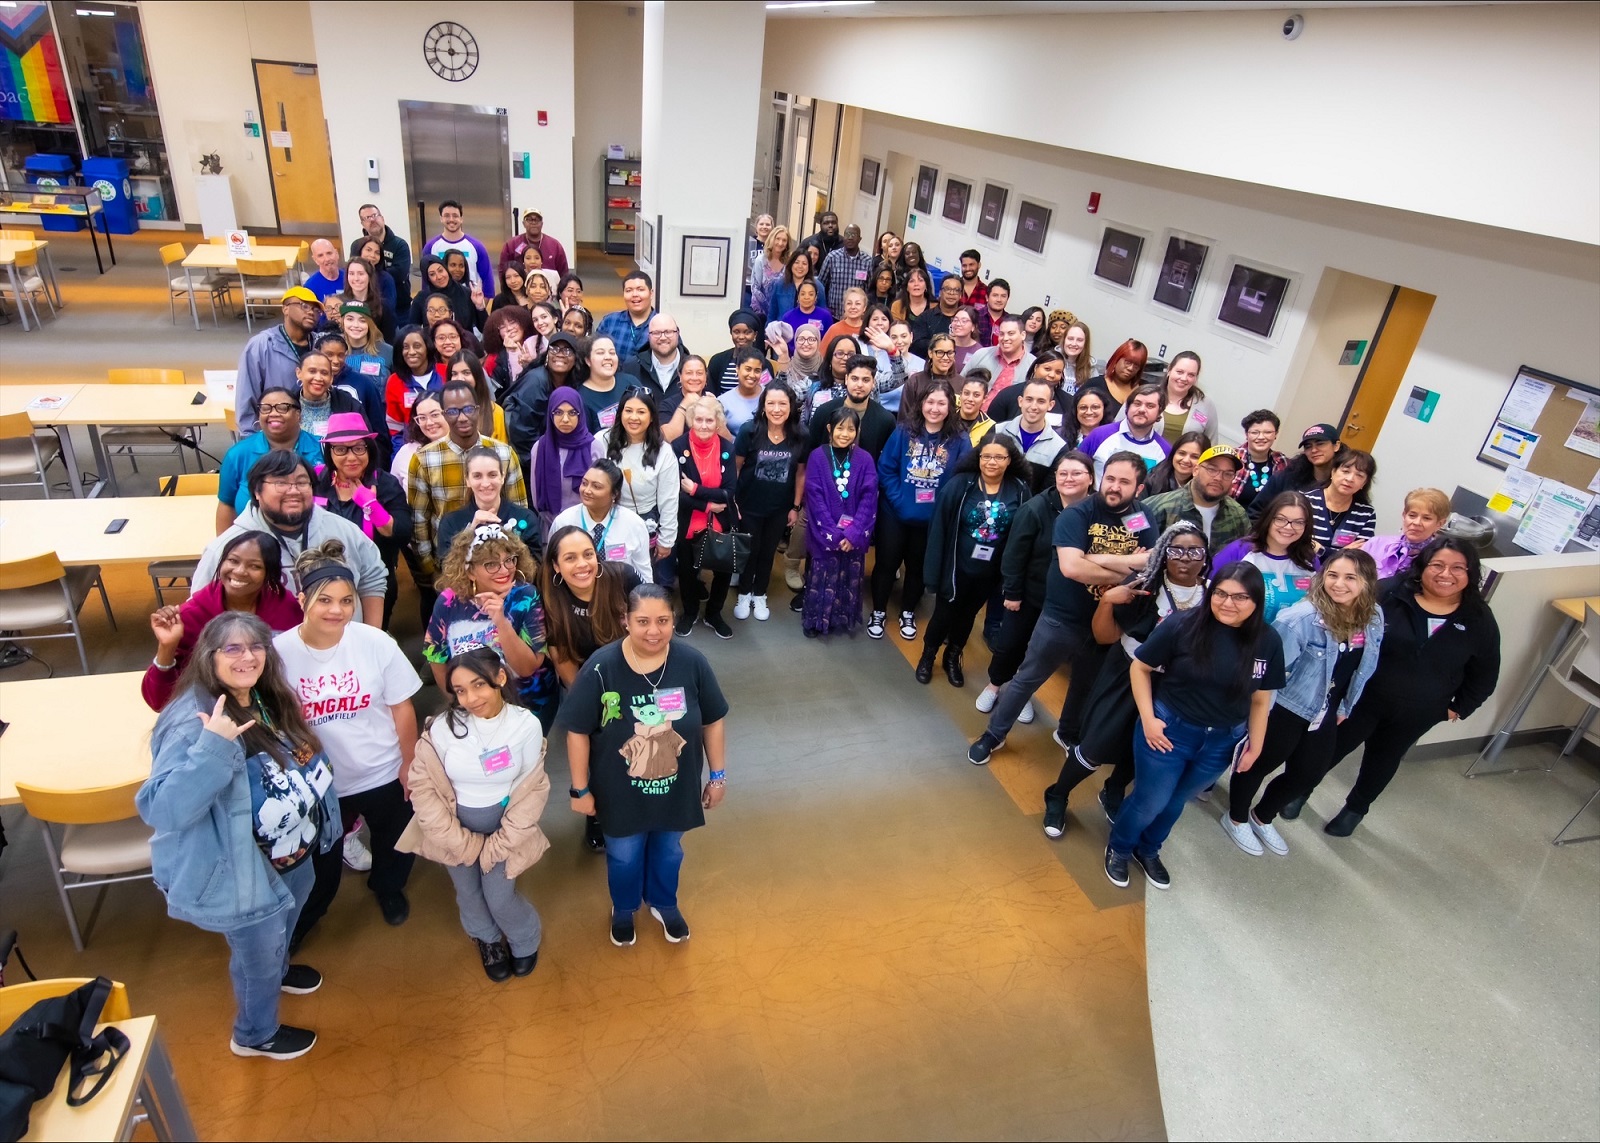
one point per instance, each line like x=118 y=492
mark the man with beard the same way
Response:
x=1098 y=542
x=281 y=505
x=272 y=357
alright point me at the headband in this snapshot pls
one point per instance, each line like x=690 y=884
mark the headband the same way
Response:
x=323 y=572
x=482 y=534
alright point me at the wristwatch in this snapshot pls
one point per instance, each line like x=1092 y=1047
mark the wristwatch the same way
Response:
x=583 y=793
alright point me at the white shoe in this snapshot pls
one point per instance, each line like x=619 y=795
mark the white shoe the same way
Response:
x=758 y=608
x=987 y=698
x=741 y=607
x=908 y=625
x=356 y=855
x=1025 y=716
x=1243 y=836
x=1269 y=835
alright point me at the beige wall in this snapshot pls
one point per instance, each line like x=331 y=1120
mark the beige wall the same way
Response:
x=609 y=53
x=1347 y=307
x=1489 y=113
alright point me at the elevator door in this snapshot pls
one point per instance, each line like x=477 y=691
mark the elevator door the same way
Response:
x=458 y=152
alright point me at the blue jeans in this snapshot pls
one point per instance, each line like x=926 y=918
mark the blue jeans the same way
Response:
x=1164 y=783
x=644 y=867
x=260 y=957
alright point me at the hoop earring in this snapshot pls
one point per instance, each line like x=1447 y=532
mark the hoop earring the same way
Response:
x=556 y=577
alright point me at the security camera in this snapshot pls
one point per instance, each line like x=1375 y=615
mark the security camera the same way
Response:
x=1293 y=26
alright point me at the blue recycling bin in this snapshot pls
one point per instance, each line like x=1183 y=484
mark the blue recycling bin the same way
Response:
x=47 y=171
x=110 y=178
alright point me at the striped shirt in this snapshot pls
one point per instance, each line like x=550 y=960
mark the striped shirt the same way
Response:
x=437 y=483
x=1340 y=529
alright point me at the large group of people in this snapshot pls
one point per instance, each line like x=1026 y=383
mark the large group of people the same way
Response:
x=575 y=499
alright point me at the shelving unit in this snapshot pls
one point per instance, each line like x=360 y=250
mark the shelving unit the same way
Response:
x=619 y=200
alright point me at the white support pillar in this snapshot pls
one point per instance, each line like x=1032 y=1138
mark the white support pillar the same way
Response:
x=701 y=104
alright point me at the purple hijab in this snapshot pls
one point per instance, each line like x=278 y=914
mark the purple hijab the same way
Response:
x=561 y=455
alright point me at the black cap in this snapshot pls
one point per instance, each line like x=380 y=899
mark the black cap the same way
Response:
x=1325 y=433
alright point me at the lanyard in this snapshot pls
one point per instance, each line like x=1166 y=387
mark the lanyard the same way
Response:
x=600 y=540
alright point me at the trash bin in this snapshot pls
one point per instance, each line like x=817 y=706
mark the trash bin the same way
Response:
x=110 y=178
x=47 y=171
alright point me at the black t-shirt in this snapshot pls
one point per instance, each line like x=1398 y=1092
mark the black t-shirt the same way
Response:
x=513 y=517
x=643 y=779
x=1344 y=670
x=982 y=530
x=601 y=407
x=1095 y=530
x=767 y=480
x=1201 y=691
x=582 y=629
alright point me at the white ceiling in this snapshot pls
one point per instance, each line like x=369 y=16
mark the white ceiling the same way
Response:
x=907 y=8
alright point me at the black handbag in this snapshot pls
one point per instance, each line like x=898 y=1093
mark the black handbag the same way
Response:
x=719 y=552
x=49 y=1034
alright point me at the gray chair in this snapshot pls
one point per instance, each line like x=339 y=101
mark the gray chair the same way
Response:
x=37 y=592
x=26 y=451
x=1579 y=672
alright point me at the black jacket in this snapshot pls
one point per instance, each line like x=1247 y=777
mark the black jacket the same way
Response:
x=944 y=533
x=1456 y=668
x=392 y=495
x=527 y=405
x=459 y=297
x=396 y=262
x=702 y=495
x=1029 y=549
x=642 y=366
x=876 y=425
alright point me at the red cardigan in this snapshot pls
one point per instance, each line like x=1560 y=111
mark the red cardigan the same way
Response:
x=279 y=611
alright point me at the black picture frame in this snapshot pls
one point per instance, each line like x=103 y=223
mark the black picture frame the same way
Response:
x=992 y=212
x=1118 y=260
x=922 y=193
x=703 y=269
x=957 y=198
x=869 y=176
x=1181 y=266
x=1033 y=226
x=1253 y=299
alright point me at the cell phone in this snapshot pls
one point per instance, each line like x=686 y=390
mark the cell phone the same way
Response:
x=116 y=526
x=199 y=399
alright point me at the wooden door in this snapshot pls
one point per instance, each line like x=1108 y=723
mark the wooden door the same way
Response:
x=297 y=147
x=1386 y=366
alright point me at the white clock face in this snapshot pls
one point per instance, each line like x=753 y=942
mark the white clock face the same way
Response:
x=451 y=51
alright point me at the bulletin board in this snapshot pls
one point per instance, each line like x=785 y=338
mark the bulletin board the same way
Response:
x=1549 y=426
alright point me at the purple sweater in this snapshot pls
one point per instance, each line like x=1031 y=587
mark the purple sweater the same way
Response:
x=825 y=508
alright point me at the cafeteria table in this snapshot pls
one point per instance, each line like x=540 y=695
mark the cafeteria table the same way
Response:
x=56 y=733
x=158 y=528
x=210 y=256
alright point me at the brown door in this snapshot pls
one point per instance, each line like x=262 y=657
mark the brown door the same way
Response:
x=297 y=147
x=1386 y=366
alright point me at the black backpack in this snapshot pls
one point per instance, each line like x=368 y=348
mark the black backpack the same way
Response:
x=47 y=1035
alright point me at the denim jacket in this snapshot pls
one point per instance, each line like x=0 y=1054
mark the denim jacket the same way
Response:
x=1309 y=654
x=204 y=850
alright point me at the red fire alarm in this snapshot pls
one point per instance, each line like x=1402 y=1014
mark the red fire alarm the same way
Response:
x=1094 y=196
x=544 y=119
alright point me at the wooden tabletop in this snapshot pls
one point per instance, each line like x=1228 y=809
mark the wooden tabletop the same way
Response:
x=210 y=256
x=120 y=405
x=9 y=248
x=158 y=528
x=58 y=734
x=106 y=1115
x=1573 y=608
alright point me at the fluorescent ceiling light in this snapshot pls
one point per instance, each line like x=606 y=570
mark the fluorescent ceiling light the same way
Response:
x=93 y=12
x=778 y=5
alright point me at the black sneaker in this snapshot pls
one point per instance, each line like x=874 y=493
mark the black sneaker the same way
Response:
x=523 y=965
x=685 y=624
x=925 y=668
x=395 y=908
x=875 y=625
x=1291 y=811
x=301 y=980
x=798 y=603
x=672 y=924
x=1116 y=868
x=1055 y=817
x=1110 y=808
x=593 y=836
x=287 y=1043
x=980 y=750
x=496 y=959
x=1154 y=872
x=622 y=934
x=720 y=626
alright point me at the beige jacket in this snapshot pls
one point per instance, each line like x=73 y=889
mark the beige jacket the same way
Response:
x=438 y=835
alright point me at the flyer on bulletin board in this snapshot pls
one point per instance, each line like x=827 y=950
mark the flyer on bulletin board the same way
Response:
x=1511 y=445
x=1526 y=401
x=1552 y=518
x=1516 y=492
x=1585 y=435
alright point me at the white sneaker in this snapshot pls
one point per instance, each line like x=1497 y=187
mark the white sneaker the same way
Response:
x=1243 y=836
x=758 y=608
x=741 y=607
x=356 y=855
x=987 y=698
x=908 y=625
x=1025 y=716
x=1269 y=835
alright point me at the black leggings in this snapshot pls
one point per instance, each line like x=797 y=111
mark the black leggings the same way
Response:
x=387 y=813
x=1075 y=768
x=1304 y=754
x=765 y=534
x=692 y=591
x=1016 y=628
x=896 y=543
x=1389 y=729
x=953 y=618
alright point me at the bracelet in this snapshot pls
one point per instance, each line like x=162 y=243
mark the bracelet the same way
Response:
x=156 y=663
x=719 y=776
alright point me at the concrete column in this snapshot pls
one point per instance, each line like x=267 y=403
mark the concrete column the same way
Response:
x=702 y=100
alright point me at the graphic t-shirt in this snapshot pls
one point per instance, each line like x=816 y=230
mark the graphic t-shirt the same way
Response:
x=346 y=692
x=459 y=625
x=985 y=523
x=767 y=478
x=1200 y=690
x=1286 y=581
x=646 y=749
x=285 y=806
x=1095 y=530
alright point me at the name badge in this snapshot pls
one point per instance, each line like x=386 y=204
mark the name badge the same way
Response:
x=617 y=553
x=982 y=552
x=1359 y=639
x=1053 y=420
x=608 y=417
x=496 y=760
x=925 y=496
x=1342 y=539
x=846 y=521
x=1302 y=583
x=672 y=702
x=861 y=275
x=371 y=368
x=1434 y=625
x=409 y=397
x=1138 y=522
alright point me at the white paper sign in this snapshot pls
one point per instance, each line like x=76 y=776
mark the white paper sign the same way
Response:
x=220 y=385
x=1552 y=518
x=238 y=243
x=1516 y=493
x=1511 y=445
x=1525 y=402
x=1585 y=435
x=280 y=139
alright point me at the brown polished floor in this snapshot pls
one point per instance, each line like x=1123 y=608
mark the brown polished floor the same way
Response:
x=884 y=943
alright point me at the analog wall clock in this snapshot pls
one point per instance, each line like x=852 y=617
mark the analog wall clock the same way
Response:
x=451 y=51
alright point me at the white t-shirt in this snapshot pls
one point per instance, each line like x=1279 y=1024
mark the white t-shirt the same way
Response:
x=624 y=538
x=346 y=692
x=495 y=754
x=1208 y=517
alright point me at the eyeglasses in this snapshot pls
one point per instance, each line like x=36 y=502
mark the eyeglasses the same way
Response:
x=462 y=412
x=1186 y=555
x=1216 y=469
x=348 y=449
x=1288 y=522
x=941 y=353
x=278 y=407
x=300 y=484
x=663 y=333
x=240 y=650
x=564 y=349
x=1452 y=570
x=504 y=563
x=1237 y=598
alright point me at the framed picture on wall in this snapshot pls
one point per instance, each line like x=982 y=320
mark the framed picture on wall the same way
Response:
x=1118 y=260
x=704 y=270
x=957 y=197
x=993 y=210
x=922 y=195
x=1181 y=266
x=869 y=176
x=644 y=241
x=1033 y=226
x=1252 y=300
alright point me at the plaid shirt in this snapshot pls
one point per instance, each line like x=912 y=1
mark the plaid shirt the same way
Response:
x=437 y=483
x=840 y=271
x=627 y=337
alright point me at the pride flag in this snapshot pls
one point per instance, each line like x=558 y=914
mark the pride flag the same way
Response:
x=32 y=87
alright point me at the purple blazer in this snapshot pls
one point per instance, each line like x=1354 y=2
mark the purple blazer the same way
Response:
x=825 y=507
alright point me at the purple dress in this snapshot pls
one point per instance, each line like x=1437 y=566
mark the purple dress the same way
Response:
x=833 y=585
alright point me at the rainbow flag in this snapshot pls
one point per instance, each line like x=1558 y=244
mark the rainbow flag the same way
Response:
x=32 y=87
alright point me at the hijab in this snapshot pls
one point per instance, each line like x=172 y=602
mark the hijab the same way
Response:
x=807 y=365
x=459 y=297
x=564 y=455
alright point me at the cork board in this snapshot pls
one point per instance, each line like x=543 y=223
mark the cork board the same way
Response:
x=1538 y=424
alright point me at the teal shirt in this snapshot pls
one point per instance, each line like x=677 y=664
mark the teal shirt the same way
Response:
x=238 y=460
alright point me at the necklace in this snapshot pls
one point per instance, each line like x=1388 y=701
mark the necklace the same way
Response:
x=1183 y=598
x=1260 y=471
x=841 y=474
x=655 y=683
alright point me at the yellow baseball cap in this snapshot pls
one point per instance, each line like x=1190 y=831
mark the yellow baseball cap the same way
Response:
x=300 y=294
